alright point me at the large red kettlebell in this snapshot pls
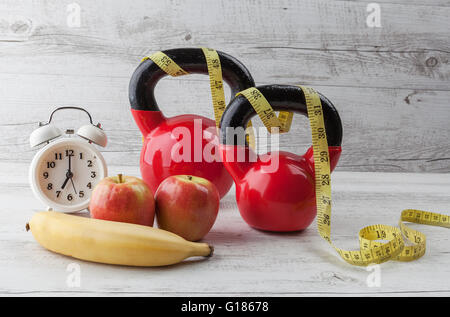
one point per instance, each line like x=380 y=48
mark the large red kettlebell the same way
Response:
x=157 y=161
x=275 y=196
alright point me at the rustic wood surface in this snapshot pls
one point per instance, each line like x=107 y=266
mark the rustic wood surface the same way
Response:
x=246 y=261
x=390 y=84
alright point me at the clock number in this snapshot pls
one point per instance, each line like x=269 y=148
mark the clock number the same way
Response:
x=93 y=174
x=45 y=175
x=81 y=194
x=58 y=156
x=89 y=163
x=69 y=197
x=51 y=164
x=69 y=152
x=58 y=193
x=81 y=156
x=89 y=185
x=50 y=186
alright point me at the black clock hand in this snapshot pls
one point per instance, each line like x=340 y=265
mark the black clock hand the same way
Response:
x=71 y=179
x=69 y=174
x=70 y=164
x=65 y=183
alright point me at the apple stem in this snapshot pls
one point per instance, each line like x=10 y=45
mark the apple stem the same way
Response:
x=190 y=177
x=120 y=178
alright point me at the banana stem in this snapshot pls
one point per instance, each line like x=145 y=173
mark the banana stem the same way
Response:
x=211 y=248
x=202 y=249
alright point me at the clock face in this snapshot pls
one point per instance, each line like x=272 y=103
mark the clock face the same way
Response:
x=66 y=172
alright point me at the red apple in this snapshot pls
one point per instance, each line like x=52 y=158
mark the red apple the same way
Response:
x=124 y=199
x=187 y=206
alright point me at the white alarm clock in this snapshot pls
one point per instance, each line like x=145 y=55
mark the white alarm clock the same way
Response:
x=65 y=171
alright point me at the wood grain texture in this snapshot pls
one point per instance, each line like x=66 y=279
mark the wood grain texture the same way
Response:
x=444 y=3
x=246 y=261
x=390 y=84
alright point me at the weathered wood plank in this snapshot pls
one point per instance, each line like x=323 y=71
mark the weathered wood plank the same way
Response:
x=246 y=261
x=444 y=3
x=385 y=81
x=268 y=64
x=384 y=129
x=307 y=24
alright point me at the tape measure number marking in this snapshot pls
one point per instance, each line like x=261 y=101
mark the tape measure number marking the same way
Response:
x=372 y=250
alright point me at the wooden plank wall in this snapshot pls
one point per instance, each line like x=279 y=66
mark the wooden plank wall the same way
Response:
x=391 y=84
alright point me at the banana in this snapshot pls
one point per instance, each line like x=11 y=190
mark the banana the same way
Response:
x=112 y=242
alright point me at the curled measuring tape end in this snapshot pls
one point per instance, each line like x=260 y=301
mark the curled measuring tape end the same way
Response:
x=371 y=249
x=378 y=243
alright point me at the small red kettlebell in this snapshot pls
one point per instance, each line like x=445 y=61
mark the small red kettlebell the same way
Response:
x=163 y=136
x=275 y=197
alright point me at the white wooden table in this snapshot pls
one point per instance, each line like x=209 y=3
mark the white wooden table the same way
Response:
x=246 y=261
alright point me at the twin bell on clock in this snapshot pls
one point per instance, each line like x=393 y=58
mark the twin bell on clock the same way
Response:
x=65 y=171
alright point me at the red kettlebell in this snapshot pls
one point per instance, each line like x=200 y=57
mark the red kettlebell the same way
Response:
x=157 y=161
x=275 y=197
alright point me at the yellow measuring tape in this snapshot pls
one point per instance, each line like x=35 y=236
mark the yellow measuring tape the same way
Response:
x=372 y=250
x=215 y=76
x=166 y=64
x=215 y=80
x=283 y=122
x=267 y=115
x=216 y=84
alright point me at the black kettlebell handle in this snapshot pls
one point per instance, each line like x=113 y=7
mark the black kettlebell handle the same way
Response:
x=282 y=98
x=193 y=61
